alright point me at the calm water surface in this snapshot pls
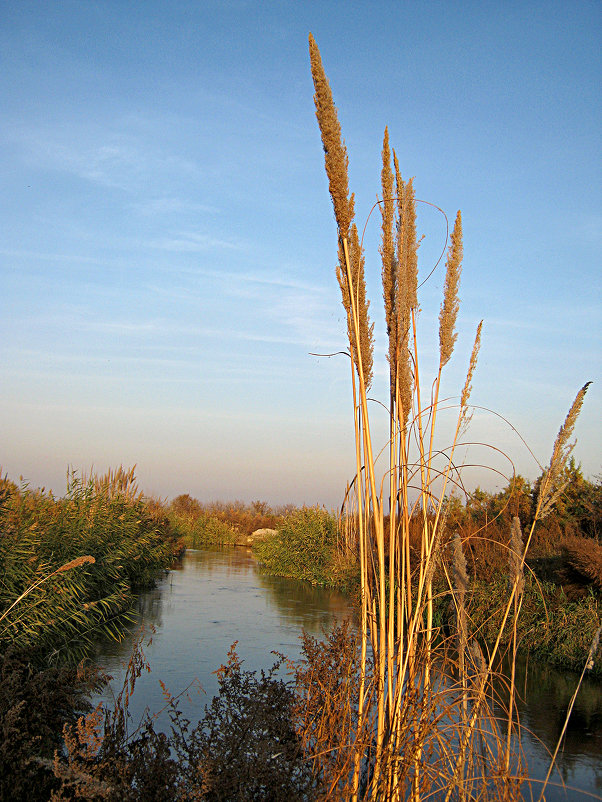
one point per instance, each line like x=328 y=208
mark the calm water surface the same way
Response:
x=197 y=612
x=215 y=598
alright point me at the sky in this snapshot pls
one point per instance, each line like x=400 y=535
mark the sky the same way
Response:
x=167 y=241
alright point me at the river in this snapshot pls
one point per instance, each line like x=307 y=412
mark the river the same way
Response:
x=193 y=615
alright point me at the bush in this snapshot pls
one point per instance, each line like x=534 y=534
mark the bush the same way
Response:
x=550 y=626
x=34 y=706
x=244 y=748
x=203 y=531
x=305 y=547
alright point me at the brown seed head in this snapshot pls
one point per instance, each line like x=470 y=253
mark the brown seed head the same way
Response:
x=450 y=305
x=459 y=567
x=387 y=248
x=552 y=482
x=335 y=152
x=87 y=558
x=336 y=162
x=471 y=369
x=405 y=286
x=515 y=556
x=366 y=329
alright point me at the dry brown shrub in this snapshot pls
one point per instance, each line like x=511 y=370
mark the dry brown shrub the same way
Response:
x=584 y=559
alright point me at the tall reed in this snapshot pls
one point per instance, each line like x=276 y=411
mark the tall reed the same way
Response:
x=424 y=725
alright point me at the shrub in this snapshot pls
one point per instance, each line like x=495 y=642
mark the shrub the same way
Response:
x=305 y=547
x=245 y=747
x=34 y=706
x=208 y=530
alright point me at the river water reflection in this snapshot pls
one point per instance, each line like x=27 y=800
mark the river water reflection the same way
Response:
x=197 y=612
x=215 y=598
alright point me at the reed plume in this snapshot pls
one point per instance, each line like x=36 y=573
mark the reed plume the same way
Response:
x=406 y=283
x=471 y=369
x=412 y=753
x=87 y=558
x=362 y=304
x=451 y=305
x=515 y=555
x=79 y=561
x=407 y=246
x=593 y=649
x=387 y=249
x=335 y=152
x=350 y=268
x=552 y=482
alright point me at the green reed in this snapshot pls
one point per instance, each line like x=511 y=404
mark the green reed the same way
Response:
x=61 y=612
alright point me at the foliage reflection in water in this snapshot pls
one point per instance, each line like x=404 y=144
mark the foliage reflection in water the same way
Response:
x=211 y=600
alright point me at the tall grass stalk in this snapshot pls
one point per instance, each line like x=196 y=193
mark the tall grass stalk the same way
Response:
x=428 y=734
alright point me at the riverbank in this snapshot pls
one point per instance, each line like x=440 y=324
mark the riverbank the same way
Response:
x=48 y=601
x=70 y=568
x=561 y=605
x=217 y=597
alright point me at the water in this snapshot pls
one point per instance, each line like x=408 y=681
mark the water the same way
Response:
x=545 y=694
x=216 y=598
x=200 y=609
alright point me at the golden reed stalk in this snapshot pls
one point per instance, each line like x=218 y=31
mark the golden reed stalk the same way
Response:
x=420 y=734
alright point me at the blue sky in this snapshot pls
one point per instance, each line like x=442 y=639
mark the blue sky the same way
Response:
x=168 y=246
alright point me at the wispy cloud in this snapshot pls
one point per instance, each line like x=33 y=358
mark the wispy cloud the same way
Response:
x=172 y=205
x=116 y=158
x=24 y=253
x=192 y=242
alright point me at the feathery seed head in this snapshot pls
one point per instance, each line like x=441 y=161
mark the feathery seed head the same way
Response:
x=335 y=152
x=87 y=558
x=589 y=664
x=406 y=282
x=387 y=249
x=450 y=305
x=362 y=304
x=471 y=369
x=336 y=162
x=552 y=482
x=459 y=567
x=515 y=556
x=407 y=246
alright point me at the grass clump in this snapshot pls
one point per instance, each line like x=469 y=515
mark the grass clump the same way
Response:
x=424 y=726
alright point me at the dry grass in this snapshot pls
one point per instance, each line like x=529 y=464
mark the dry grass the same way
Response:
x=423 y=727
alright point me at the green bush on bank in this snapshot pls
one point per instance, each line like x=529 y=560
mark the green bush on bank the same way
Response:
x=550 y=626
x=305 y=548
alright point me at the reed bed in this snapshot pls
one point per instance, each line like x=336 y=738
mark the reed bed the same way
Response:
x=423 y=725
x=69 y=565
